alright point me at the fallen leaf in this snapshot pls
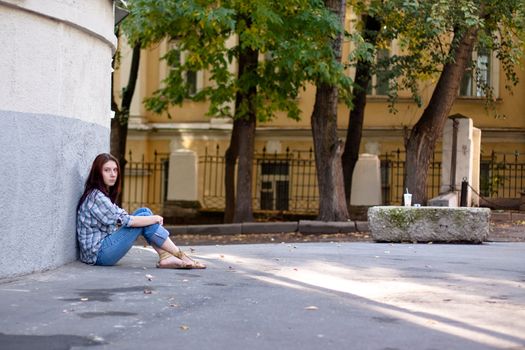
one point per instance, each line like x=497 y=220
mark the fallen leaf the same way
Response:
x=97 y=339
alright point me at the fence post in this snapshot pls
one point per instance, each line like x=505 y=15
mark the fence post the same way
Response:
x=464 y=192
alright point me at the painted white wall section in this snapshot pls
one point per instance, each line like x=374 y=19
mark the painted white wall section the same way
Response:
x=464 y=156
x=476 y=162
x=54 y=68
x=93 y=16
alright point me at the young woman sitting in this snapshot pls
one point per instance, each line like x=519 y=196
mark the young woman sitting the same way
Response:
x=106 y=232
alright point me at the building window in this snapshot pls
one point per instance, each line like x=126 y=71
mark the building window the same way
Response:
x=379 y=85
x=192 y=78
x=478 y=77
x=275 y=185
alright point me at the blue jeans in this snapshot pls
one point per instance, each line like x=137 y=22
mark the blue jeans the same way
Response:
x=117 y=244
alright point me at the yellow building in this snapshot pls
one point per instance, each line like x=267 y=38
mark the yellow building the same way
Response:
x=289 y=184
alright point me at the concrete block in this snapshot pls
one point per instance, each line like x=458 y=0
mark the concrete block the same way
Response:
x=445 y=200
x=362 y=226
x=177 y=230
x=518 y=217
x=429 y=224
x=312 y=226
x=345 y=227
x=501 y=216
x=226 y=229
x=269 y=227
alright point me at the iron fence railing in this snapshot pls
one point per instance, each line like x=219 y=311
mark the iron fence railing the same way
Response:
x=145 y=182
x=287 y=182
x=502 y=175
x=393 y=176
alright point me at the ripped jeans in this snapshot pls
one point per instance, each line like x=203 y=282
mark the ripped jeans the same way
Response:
x=117 y=244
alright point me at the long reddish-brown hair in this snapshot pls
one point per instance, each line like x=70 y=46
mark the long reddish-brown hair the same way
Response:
x=96 y=181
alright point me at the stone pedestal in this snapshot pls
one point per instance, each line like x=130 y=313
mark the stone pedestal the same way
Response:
x=366 y=181
x=182 y=175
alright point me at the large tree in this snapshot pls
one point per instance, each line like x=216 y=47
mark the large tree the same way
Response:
x=437 y=39
x=280 y=45
x=369 y=27
x=119 y=123
x=328 y=148
x=442 y=36
x=121 y=104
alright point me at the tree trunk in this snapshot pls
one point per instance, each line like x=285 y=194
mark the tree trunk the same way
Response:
x=421 y=143
x=239 y=206
x=243 y=202
x=119 y=124
x=357 y=114
x=328 y=148
x=230 y=157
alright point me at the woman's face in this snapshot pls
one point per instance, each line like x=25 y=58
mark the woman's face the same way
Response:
x=110 y=173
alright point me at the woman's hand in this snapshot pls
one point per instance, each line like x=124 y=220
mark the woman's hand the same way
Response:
x=159 y=219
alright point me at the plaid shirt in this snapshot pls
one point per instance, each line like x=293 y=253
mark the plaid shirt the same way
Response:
x=97 y=218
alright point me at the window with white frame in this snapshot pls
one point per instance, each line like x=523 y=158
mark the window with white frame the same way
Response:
x=194 y=79
x=379 y=84
x=480 y=75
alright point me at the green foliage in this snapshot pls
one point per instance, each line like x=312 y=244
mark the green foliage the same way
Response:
x=292 y=38
x=428 y=31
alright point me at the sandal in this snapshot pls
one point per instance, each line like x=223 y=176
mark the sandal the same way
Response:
x=175 y=265
x=194 y=264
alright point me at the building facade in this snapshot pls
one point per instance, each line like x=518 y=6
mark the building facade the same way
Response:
x=284 y=170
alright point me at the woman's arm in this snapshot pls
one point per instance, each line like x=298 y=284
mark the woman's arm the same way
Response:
x=141 y=221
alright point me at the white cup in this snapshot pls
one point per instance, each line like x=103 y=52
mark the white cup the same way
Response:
x=408 y=199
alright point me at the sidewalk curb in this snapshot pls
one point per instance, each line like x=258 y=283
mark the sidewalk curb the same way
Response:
x=302 y=226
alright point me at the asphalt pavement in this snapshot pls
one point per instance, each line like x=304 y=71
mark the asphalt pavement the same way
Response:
x=349 y=295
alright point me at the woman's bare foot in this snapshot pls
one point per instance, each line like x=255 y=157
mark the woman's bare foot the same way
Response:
x=172 y=262
x=192 y=264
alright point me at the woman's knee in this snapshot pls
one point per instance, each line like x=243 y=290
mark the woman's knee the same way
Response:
x=143 y=212
x=156 y=237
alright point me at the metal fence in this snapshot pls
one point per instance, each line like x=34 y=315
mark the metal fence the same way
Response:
x=281 y=182
x=145 y=183
x=287 y=182
x=502 y=175
x=393 y=175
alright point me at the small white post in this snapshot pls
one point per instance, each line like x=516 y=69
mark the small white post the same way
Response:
x=182 y=176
